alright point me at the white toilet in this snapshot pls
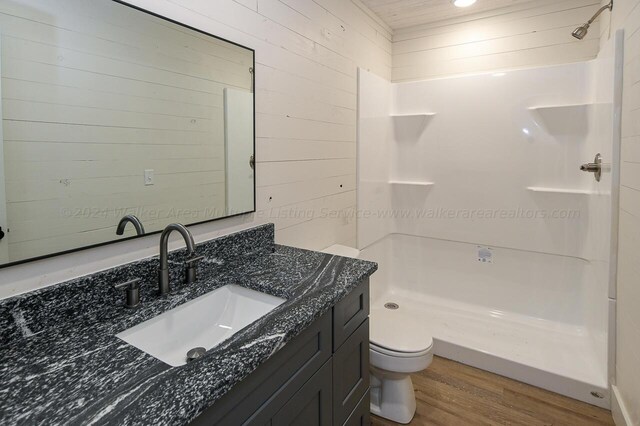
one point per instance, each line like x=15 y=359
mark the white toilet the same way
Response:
x=398 y=347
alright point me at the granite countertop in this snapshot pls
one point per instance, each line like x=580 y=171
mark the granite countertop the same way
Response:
x=62 y=364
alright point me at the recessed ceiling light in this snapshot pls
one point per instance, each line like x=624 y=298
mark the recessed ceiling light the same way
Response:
x=463 y=3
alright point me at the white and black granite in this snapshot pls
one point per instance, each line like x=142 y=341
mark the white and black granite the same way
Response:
x=62 y=364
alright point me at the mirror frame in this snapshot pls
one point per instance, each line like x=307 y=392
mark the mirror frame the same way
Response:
x=115 y=241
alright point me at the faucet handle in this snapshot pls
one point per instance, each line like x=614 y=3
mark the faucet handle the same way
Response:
x=191 y=269
x=194 y=260
x=131 y=284
x=133 y=292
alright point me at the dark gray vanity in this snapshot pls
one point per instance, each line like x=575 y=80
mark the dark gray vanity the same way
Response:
x=305 y=362
x=321 y=377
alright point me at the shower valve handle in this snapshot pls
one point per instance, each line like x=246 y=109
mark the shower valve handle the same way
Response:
x=595 y=167
x=590 y=167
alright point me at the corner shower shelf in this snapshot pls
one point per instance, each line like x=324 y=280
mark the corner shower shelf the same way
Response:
x=560 y=191
x=563 y=120
x=424 y=114
x=410 y=127
x=557 y=107
x=411 y=183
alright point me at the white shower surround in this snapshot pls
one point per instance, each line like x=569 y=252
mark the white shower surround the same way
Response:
x=541 y=311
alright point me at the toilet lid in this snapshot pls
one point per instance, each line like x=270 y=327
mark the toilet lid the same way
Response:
x=396 y=331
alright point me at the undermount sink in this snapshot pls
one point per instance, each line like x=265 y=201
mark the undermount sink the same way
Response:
x=203 y=322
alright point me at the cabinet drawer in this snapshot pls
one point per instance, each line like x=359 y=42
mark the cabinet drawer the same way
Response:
x=350 y=373
x=261 y=395
x=349 y=313
x=311 y=405
x=361 y=415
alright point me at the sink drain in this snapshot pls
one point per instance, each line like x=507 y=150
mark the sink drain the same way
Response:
x=391 y=305
x=195 y=353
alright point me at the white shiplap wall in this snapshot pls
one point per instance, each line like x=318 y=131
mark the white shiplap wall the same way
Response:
x=626 y=15
x=307 y=55
x=524 y=35
x=93 y=95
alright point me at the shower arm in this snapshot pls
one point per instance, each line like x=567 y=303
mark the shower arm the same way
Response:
x=602 y=9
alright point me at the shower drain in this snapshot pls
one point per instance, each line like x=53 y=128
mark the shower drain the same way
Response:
x=391 y=305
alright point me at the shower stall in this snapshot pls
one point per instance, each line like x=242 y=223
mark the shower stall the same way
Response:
x=472 y=201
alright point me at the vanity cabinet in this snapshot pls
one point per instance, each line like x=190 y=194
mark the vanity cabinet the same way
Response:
x=321 y=377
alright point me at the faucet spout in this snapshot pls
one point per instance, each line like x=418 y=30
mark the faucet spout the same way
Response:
x=163 y=271
x=133 y=219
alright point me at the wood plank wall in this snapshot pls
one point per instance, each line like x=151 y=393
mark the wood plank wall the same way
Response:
x=94 y=93
x=307 y=55
x=530 y=34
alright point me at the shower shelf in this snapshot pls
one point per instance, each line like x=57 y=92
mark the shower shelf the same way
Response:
x=409 y=128
x=556 y=107
x=561 y=190
x=411 y=183
x=563 y=120
x=424 y=114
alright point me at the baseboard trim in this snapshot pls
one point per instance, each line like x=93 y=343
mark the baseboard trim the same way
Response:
x=619 y=411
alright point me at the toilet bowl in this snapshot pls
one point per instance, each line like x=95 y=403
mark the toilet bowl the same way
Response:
x=398 y=347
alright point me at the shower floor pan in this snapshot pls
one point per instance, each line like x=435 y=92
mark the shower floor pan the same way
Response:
x=551 y=355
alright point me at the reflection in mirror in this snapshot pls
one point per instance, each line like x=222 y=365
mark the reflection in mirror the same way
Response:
x=109 y=112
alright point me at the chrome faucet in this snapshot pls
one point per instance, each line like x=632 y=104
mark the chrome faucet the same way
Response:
x=134 y=221
x=163 y=271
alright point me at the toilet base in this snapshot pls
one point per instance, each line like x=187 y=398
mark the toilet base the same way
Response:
x=392 y=396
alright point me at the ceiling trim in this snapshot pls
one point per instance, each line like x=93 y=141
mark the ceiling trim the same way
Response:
x=366 y=9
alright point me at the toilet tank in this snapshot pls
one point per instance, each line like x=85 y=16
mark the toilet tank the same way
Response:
x=340 y=250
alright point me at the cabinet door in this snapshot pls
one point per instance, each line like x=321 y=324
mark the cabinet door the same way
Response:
x=350 y=373
x=311 y=405
x=361 y=415
x=349 y=313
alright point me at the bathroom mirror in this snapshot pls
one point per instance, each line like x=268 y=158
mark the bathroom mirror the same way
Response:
x=110 y=111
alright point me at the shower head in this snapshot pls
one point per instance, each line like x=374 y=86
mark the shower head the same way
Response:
x=581 y=31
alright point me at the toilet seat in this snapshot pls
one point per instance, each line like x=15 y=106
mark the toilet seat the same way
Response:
x=392 y=362
x=395 y=333
x=397 y=354
x=397 y=343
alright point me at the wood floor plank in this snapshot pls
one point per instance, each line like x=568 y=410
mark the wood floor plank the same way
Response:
x=474 y=409
x=453 y=394
x=552 y=413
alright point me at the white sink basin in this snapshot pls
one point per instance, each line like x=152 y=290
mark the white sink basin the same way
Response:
x=202 y=322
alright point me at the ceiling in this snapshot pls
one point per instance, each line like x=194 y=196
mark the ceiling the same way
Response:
x=407 y=13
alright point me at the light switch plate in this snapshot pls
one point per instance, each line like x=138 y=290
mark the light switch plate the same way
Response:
x=148 y=177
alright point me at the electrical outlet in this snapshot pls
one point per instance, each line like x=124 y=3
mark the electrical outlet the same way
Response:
x=148 y=177
x=485 y=254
